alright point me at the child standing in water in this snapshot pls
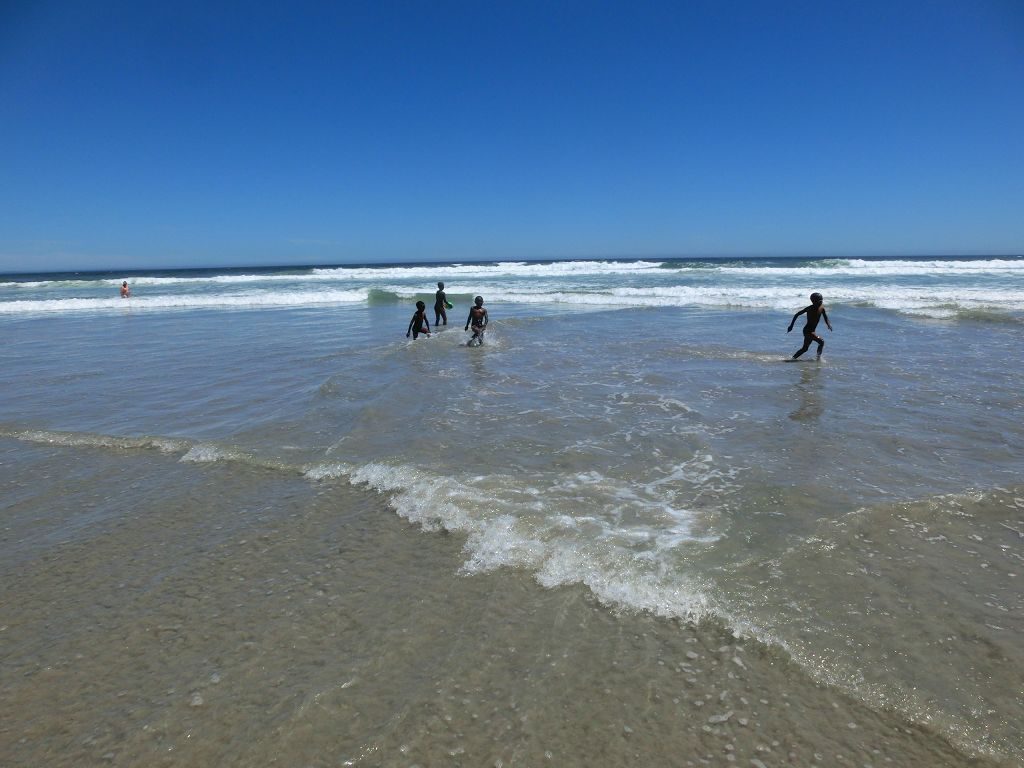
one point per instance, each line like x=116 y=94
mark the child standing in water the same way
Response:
x=419 y=323
x=439 y=305
x=478 y=318
x=815 y=312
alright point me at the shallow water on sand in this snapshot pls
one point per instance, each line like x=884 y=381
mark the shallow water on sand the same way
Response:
x=291 y=535
x=222 y=614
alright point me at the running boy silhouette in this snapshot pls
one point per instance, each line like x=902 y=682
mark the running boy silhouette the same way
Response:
x=815 y=312
x=419 y=323
x=478 y=318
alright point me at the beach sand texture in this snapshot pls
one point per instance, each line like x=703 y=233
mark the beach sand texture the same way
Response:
x=218 y=616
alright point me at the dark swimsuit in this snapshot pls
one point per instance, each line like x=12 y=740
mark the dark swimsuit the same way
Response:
x=439 y=313
x=417 y=325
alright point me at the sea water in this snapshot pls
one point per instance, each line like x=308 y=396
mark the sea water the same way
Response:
x=227 y=504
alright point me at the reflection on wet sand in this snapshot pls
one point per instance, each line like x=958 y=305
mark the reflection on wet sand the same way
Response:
x=811 y=402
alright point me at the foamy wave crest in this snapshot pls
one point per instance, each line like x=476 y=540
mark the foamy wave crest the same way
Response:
x=662 y=595
x=207 y=453
x=43 y=283
x=327 y=471
x=431 y=274
x=89 y=440
x=207 y=301
x=502 y=534
x=157 y=281
x=816 y=268
x=893 y=268
x=432 y=502
x=192 y=452
x=501 y=530
x=147 y=280
x=938 y=302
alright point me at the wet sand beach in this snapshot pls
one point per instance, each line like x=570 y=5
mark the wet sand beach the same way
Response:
x=220 y=616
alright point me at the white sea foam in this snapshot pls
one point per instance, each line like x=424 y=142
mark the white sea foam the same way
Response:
x=503 y=531
x=170 y=281
x=503 y=534
x=560 y=549
x=205 y=453
x=937 y=301
x=85 y=439
x=620 y=584
x=486 y=271
x=428 y=273
x=327 y=471
x=37 y=283
x=188 y=301
x=934 y=288
x=565 y=269
x=420 y=498
x=893 y=268
x=701 y=472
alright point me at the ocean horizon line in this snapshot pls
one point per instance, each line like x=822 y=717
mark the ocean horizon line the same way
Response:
x=72 y=274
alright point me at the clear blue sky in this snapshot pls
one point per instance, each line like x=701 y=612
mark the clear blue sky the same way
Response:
x=136 y=134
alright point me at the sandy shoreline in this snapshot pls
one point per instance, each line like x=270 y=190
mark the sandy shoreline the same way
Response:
x=216 y=615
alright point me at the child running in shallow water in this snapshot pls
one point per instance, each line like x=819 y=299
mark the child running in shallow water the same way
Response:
x=815 y=312
x=478 y=319
x=419 y=323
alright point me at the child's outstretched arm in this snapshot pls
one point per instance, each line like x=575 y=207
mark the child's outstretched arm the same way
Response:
x=824 y=316
x=791 y=322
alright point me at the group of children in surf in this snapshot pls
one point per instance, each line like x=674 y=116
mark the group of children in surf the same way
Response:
x=477 y=318
x=815 y=312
